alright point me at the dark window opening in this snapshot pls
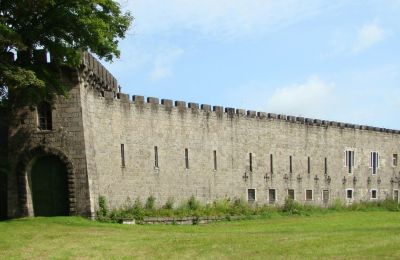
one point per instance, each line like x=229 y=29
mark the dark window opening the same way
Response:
x=349 y=161
x=215 y=160
x=395 y=159
x=374 y=162
x=291 y=194
x=272 y=196
x=187 y=158
x=156 y=156
x=45 y=116
x=251 y=195
x=326 y=166
x=251 y=162
x=308 y=165
x=309 y=195
x=349 y=194
x=325 y=196
x=374 y=194
x=122 y=155
x=271 y=163
x=290 y=165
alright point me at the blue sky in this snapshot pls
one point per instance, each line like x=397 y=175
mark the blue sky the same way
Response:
x=334 y=60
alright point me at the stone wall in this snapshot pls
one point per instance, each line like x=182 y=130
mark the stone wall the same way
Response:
x=141 y=124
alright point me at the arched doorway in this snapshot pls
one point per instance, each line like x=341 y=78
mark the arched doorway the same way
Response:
x=49 y=187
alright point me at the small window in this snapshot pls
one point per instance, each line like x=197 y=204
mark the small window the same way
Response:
x=308 y=165
x=272 y=196
x=309 y=195
x=374 y=194
x=326 y=166
x=155 y=156
x=396 y=195
x=290 y=194
x=325 y=196
x=187 y=158
x=251 y=195
x=251 y=162
x=271 y=163
x=374 y=162
x=349 y=194
x=122 y=155
x=395 y=160
x=45 y=121
x=349 y=160
x=290 y=164
x=215 y=160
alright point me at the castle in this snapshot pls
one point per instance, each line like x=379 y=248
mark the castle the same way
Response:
x=99 y=142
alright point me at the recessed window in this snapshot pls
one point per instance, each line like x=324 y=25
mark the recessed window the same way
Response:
x=155 y=156
x=349 y=194
x=349 y=160
x=251 y=162
x=290 y=164
x=308 y=165
x=122 y=155
x=290 y=193
x=45 y=120
x=374 y=162
x=326 y=166
x=374 y=194
x=215 y=160
x=251 y=195
x=395 y=160
x=309 y=195
x=272 y=196
x=271 y=163
x=187 y=158
x=325 y=196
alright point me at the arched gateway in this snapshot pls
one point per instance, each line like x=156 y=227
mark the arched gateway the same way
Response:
x=46 y=183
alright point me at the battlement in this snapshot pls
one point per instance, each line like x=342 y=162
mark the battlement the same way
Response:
x=229 y=112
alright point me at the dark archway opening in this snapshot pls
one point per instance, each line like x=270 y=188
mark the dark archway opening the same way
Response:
x=49 y=180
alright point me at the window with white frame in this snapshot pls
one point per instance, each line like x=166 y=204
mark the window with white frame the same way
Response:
x=309 y=195
x=374 y=162
x=272 y=196
x=291 y=194
x=325 y=196
x=349 y=194
x=395 y=160
x=251 y=195
x=349 y=160
x=374 y=194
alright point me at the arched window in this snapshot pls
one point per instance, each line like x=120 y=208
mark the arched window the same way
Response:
x=45 y=117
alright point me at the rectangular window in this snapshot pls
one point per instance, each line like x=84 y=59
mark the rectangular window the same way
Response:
x=374 y=194
x=156 y=156
x=326 y=166
x=290 y=193
x=251 y=195
x=271 y=163
x=349 y=160
x=251 y=162
x=122 y=155
x=215 y=160
x=396 y=195
x=290 y=165
x=272 y=196
x=325 y=196
x=187 y=158
x=308 y=165
x=374 y=162
x=349 y=194
x=395 y=160
x=309 y=195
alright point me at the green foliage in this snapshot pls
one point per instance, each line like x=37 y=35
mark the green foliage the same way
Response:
x=102 y=212
x=169 y=204
x=193 y=204
x=63 y=28
x=150 y=203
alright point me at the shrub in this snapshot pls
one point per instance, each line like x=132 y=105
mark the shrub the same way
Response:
x=169 y=204
x=150 y=203
x=192 y=203
x=102 y=211
x=291 y=207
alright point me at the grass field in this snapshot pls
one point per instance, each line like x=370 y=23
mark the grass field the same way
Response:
x=340 y=235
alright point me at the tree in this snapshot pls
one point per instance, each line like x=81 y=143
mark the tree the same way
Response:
x=64 y=28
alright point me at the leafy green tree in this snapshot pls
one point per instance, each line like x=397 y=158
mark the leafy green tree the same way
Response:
x=64 y=28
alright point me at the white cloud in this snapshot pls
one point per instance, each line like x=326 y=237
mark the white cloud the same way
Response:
x=164 y=63
x=221 y=18
x=367 y=36
x=312 y=98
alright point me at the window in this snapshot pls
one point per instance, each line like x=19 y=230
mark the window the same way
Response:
x=325 y=196
x=374 y=194
x=290 y=165
x=45 y=121
x=155 y=156
x=326 y=166
x=396 y=195
x=272 y=196
x=251 y=162
x=309 y=195
x=349 y=194
x=395 y=160
x=251 y=195
x=122 y=155
x=349 y=160
x=290 y=193
x=308 y=165
x=215 y=160
x=374 y=162
x=187 y=158
x=271 y=163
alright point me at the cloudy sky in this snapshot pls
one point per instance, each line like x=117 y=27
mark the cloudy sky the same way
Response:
x=336 y=60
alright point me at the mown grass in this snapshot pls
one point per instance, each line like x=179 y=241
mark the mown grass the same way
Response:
x=340 y=235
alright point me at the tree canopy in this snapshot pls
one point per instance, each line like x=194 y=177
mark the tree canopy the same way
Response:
x=64 y=29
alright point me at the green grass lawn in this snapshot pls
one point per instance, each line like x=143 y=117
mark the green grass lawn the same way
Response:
x=341 y=235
